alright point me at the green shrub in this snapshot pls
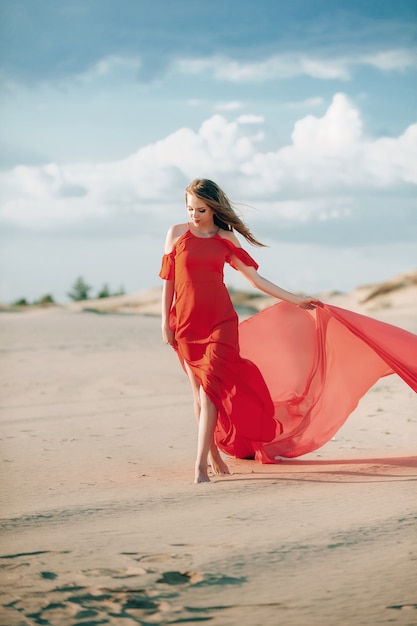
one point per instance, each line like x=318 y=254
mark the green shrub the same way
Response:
x=46 y=299
x=104 y=292
x=80 y=290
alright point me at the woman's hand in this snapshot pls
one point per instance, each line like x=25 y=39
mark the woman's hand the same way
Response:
x=168 y=336
x=306 y=302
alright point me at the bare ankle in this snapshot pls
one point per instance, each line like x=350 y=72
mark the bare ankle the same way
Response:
x=201 y=473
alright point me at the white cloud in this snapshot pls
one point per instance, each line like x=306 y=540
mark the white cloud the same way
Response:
x=218 y=147
x=328 y=156
x=390 y=160
x=391 y=60
x=277 y=66
x=233 y=105
x=112 y=67
x=289 y=65
x=117 y=68
x=308 y=103
x=303 y=211
x=250 y=119
x=331 y=152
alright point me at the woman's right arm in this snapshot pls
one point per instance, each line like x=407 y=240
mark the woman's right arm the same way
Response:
x=168 y=286
x=167 y=299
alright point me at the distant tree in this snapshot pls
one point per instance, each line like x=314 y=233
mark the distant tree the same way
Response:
x=80 y=290
x=21 y=302
x=121 y=291
x=104 y=292
x=46 y=299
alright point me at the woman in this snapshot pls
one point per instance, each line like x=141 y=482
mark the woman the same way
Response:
x=232 y=403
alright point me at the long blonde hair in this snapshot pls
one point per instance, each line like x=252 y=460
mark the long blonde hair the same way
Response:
x=225 y=215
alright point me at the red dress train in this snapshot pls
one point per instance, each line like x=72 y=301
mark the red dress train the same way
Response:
x=298 y=374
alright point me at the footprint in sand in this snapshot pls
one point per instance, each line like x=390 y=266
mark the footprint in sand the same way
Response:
x=403 y=607
x=120 y=595
x=49 y=575
x=197 y=578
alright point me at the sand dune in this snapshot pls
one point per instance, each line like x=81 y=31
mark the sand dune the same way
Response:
x=101 y=523
x=400 y=291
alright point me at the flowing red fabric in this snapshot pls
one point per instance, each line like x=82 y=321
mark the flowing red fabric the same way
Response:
x=317 y=365
x=298 y=374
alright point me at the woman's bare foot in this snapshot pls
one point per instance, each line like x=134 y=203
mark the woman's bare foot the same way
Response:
x=201 y=475
x=217 y=464
x=219 y=467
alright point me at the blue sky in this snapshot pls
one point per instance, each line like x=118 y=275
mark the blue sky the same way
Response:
x=305 y=112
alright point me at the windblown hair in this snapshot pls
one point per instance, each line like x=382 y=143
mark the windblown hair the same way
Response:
x=225 y=215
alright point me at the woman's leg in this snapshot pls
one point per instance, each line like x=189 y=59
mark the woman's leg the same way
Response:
x=195 y=386
x=206 y=425
x=216 y=461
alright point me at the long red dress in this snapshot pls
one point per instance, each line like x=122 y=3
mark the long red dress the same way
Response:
x=298 y=374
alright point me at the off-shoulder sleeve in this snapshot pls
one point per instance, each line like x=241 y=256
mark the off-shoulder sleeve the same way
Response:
x=167 y=271
x=242 y=255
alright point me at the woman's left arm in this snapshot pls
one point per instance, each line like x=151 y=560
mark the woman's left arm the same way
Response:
x=271 y=289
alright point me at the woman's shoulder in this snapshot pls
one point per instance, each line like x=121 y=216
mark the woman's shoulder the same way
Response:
x=237 y=255
x=177 y=230
x=174 y=233
x=229 y=235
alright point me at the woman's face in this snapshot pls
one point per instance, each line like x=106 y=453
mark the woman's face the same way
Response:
x=200 y=214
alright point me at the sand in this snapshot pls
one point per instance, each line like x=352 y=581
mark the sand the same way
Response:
x=101 y=523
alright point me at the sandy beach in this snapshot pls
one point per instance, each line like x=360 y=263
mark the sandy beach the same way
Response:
x=100 y=520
